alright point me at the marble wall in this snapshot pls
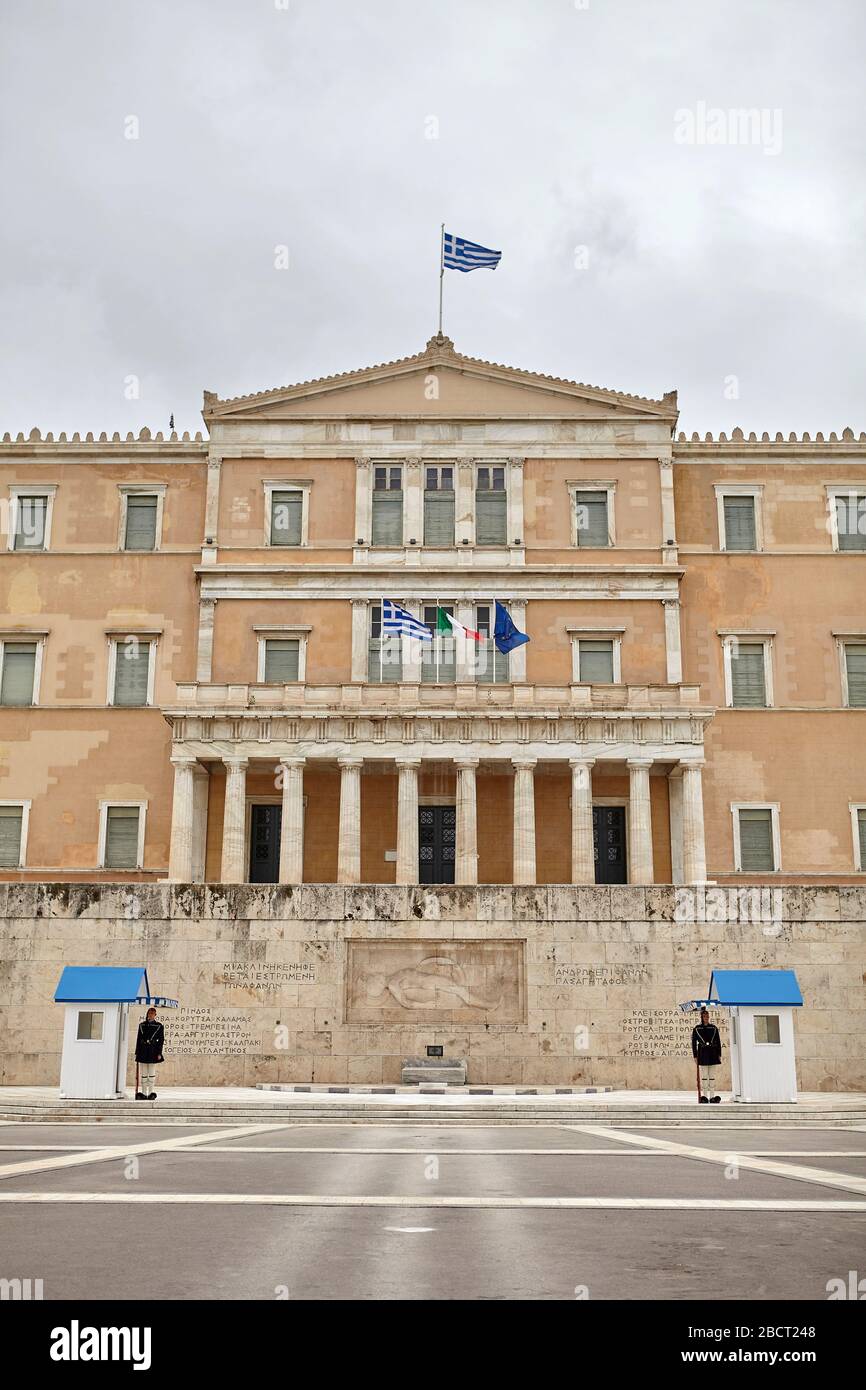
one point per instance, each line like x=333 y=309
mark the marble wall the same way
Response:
x=532 y=985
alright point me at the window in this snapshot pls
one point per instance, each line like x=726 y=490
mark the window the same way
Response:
x=121 y=836
x=491 y=666
x=384 y=654
x=767 y=1029
x=594 y=661
x=141 y=510
x=30 y=510
x=18 y=679
x=747 y=672
x=131 y=671
x=90 y=1026
x=591 y=525
x=854 y=674
x=738 y=509
x=439 y=657
x=287 y=510
x=13 y=833
x=439 y=505
x=387 y=505
x=848 y=518
x=756 y=839
x=491 y=506
x=281 y=660
x=858 y=825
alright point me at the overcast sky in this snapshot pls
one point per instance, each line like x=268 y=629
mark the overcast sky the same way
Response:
x=732 y=271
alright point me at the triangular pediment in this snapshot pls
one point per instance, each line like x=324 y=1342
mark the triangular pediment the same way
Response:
x=438 y=383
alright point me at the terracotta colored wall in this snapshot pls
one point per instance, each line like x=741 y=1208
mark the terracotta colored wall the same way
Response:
x=329 y=645
x=547 y=507
x=794 y=507
x=548 y=656
x=242 y=508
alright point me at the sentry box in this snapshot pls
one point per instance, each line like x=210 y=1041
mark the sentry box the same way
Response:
x=96 y=1028
x=761 y=1004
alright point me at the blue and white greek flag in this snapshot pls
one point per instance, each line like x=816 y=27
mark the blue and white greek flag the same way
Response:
x=460 y=254
x=396 y=622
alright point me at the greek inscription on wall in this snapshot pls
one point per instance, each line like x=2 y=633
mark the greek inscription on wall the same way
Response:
x=208 y=1032
x=585 y=976
x=663 y=1032
x=265 y=977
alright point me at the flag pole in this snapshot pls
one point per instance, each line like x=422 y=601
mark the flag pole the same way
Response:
x=441 y=273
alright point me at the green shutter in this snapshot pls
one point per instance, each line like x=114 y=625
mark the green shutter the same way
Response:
x=491 y=518
x=439 y=518
x=385 y=660
x=740 y=523
x=861 y=830
x=855 y=665
x=282 y=661
x=747 y=675
x=596 y=662
x=131 y=671
x=287 y=509
x=121 y=837
x=31 y=513
x=756 y=841
x=591 y=520
x=387 y=518
x=851 y=521
x=140 y=523
x=11 y=821
x=19 y=669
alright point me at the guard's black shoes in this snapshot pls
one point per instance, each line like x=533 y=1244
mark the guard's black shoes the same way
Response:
x=716 y=1100
x=152 y=1096
x=704 y=1100
x=139 y=1095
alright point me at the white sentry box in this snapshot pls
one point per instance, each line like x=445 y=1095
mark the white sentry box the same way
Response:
x=96 y=1000
x=763 y=1062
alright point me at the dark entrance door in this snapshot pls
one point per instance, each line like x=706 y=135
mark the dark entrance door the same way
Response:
x=608 y=833
x=265 y=843
x=437 y=839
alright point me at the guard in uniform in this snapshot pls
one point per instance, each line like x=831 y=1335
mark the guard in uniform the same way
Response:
x=148 y=1053
x=707 y=1052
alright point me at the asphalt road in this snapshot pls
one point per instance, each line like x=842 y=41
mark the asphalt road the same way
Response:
x=349 y=1211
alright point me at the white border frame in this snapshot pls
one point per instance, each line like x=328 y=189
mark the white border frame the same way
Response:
x=589 y=634
x=25 y=827
x=773 y=808
x=593 y=485
x=846 y=490
x=16 y=492
x=854 y=807
x=753 y=490
x=26 y=638
x=281 y=634
x=853 y=640
x=751 y=639
x=114 y=641
x=128 y=490
x=301 y=485
x=104 y=807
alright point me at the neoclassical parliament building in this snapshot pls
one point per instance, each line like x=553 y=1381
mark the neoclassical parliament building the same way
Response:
x=195 y=685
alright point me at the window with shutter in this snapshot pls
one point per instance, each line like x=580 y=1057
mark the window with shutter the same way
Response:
x=131 y=672
x=387 y=506
x=591 y=519
x=121 y=837
x=384 y=654
x=30 y=516
x=439 y=657
x=491 y=506
x=756 y=841
x=595 y=661
x=851 y=521
x=282 y=661
x=855 y=667
x=11 y=822
x=287 y=512
x=740 y=529
x=491 y=666
x=19 y=671
x=439 y=506
x=861 y=831
x=140 y=522
x=748 y=683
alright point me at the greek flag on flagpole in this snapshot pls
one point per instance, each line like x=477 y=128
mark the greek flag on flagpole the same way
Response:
x=396 y=622
x=460 y=254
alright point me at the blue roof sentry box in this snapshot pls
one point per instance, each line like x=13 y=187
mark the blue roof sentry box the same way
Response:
x=755 y=987
x=107 y=984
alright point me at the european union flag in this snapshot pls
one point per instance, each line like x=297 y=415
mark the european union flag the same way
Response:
x=505 y=634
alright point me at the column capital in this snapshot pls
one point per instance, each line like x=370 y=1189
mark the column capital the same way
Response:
x=183 y=760
x=581 y=762
x=292 y=762
x=408 y=762
x=639 y=762
x=350 y=762
x=524 y=764
x=468 y=764
x=230 y=760
x=692 y=764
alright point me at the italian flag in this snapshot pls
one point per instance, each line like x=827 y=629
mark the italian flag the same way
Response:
x=447 y=626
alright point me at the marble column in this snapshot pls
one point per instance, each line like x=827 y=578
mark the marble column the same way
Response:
x=292 y=823
x=466 y=855
x=640 y=839
x=582 y=842
x=233 y=869
x=349 y=847
x=694 y=849
x=407 y=820
x=524 y=820
x=180 y=857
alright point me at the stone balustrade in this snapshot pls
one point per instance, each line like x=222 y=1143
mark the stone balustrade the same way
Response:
x=195 y=695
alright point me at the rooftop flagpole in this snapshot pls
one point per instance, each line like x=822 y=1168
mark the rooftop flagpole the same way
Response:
x=441 y=274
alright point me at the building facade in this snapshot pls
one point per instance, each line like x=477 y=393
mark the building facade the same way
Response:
x=194 y=684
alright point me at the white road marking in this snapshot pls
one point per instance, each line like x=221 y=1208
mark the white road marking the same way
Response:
x=409 y=1230
x=119 y=1151
x=821 y=1177
x=280 y=1199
